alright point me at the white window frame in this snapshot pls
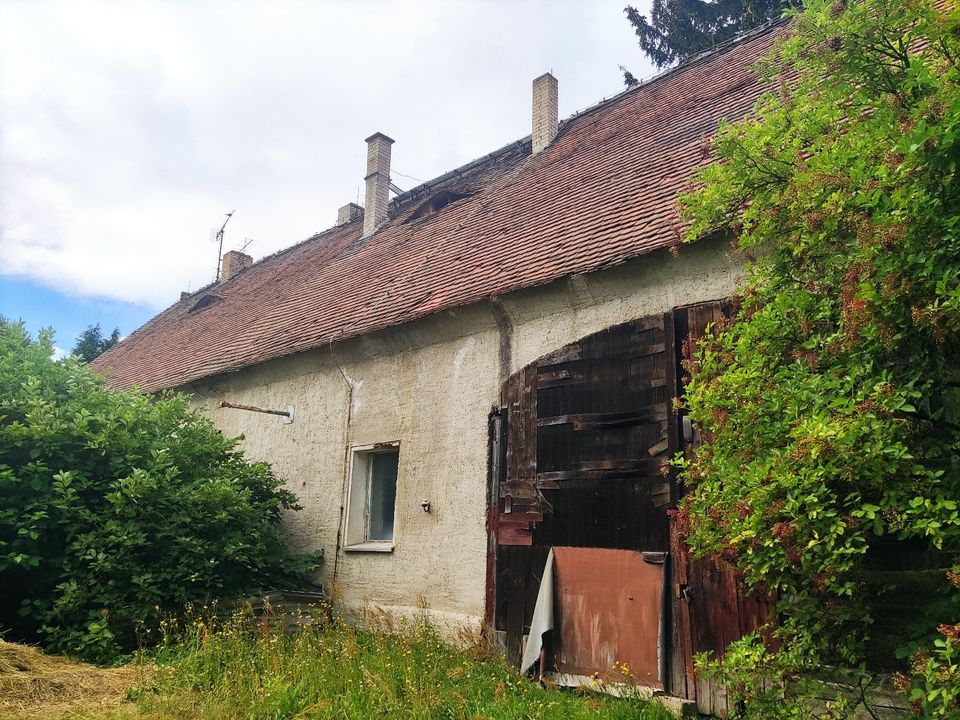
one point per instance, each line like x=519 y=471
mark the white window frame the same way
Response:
x=357 y=510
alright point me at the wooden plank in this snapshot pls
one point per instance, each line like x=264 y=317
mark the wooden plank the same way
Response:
x=521 y=453
x=559 y=378
x=568 y=353
x=684 y=675
x=671 y=365
x=516 y=579
x=642 y=471
x=719 y=612
x=649 y=322
x=662 y=446
x=589 y=421
x=595 y=485
x=641 y=463
x=704 y=695
x=637 y=383
x=661 y=494
x=514 y=535
x=523 y=519
x=517 y=489
x=645 y=350
x=495 y=469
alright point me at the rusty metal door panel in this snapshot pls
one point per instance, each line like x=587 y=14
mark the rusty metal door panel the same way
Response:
x=610 y=610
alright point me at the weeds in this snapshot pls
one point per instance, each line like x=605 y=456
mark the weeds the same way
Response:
x=318 y=667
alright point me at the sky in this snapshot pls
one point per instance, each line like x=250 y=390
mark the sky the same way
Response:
x=128 y=129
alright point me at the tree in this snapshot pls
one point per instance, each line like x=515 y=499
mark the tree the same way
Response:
x=117 y=507
x=829 y=407
x=678 y=29
x=91 y=343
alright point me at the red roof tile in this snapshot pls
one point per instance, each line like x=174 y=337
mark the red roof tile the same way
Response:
x=603 y=192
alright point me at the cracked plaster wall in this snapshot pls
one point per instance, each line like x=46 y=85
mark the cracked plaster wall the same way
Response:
x=430 y=385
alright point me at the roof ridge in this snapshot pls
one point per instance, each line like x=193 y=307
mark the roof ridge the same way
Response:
x=683 y=65
x=524 y=142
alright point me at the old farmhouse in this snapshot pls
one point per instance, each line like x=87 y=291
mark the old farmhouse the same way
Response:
x=477 y=372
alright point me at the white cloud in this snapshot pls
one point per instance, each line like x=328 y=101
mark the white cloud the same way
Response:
x=128 y=129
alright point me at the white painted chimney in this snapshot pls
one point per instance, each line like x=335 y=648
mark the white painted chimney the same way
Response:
x=233 y=262
x=378 y=182
x=544 y=111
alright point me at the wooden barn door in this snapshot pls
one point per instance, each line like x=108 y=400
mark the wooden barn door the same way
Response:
x=711 y=608
x=580 y=451
x=588 y=432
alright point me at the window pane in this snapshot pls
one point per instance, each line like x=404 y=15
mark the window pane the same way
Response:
x=383 y=495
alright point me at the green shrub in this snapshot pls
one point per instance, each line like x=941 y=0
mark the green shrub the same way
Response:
x=935 y=687
x=117 y=506
x=829 y=470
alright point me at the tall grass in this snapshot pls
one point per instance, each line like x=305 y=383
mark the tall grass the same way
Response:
x=245 y=667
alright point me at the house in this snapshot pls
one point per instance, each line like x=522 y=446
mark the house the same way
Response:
x=482 y=369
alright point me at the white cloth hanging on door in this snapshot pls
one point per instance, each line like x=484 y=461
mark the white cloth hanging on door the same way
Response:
x=542 y=621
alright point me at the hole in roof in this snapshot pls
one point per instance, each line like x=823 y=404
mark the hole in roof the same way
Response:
x=205 y=302
x=437 y=203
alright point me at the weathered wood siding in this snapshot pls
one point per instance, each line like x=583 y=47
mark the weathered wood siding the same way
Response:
x=589 y=432
x=711 y=607
x=586 y=433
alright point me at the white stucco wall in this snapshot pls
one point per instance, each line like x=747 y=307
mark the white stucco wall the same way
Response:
x=430 y=385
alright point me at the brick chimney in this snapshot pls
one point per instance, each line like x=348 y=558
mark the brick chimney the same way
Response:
x=348 y=213
x=544 y=111
x=378 y=182
x=233 y=262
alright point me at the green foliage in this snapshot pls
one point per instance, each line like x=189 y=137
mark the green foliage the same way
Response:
x=829 y=408
x=678 y=29
x=116 y=506
x=92 y=343
x=936 y=684
x=246 y=668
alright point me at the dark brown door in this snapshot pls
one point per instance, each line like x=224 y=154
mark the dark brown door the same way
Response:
x=587 y=431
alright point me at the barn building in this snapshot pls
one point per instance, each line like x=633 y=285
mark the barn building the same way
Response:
x=472 y=382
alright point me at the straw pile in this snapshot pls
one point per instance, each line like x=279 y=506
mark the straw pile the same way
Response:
x=36 y=685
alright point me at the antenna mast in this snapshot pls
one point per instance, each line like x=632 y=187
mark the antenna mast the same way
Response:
x=219 y=239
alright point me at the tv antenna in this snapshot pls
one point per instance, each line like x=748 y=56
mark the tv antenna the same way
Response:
x=219 y=239
x=248 y=243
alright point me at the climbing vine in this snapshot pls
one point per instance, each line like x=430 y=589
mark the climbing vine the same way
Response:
x=829 y=406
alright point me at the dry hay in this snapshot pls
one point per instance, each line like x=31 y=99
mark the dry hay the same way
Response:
x=36 y=685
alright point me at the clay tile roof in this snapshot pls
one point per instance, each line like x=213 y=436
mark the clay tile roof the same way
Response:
x=603 y=192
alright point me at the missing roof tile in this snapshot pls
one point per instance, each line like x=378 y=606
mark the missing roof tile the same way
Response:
x=436 y=203
x=205 y=302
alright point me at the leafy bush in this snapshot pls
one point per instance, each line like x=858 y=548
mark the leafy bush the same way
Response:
x=829 y=408
x=117 y=506
x=936 y=683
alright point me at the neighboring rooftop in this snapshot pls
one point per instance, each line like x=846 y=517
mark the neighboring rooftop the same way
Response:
x=602 y=192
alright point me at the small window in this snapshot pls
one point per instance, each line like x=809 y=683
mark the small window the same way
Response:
x=373 y=498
